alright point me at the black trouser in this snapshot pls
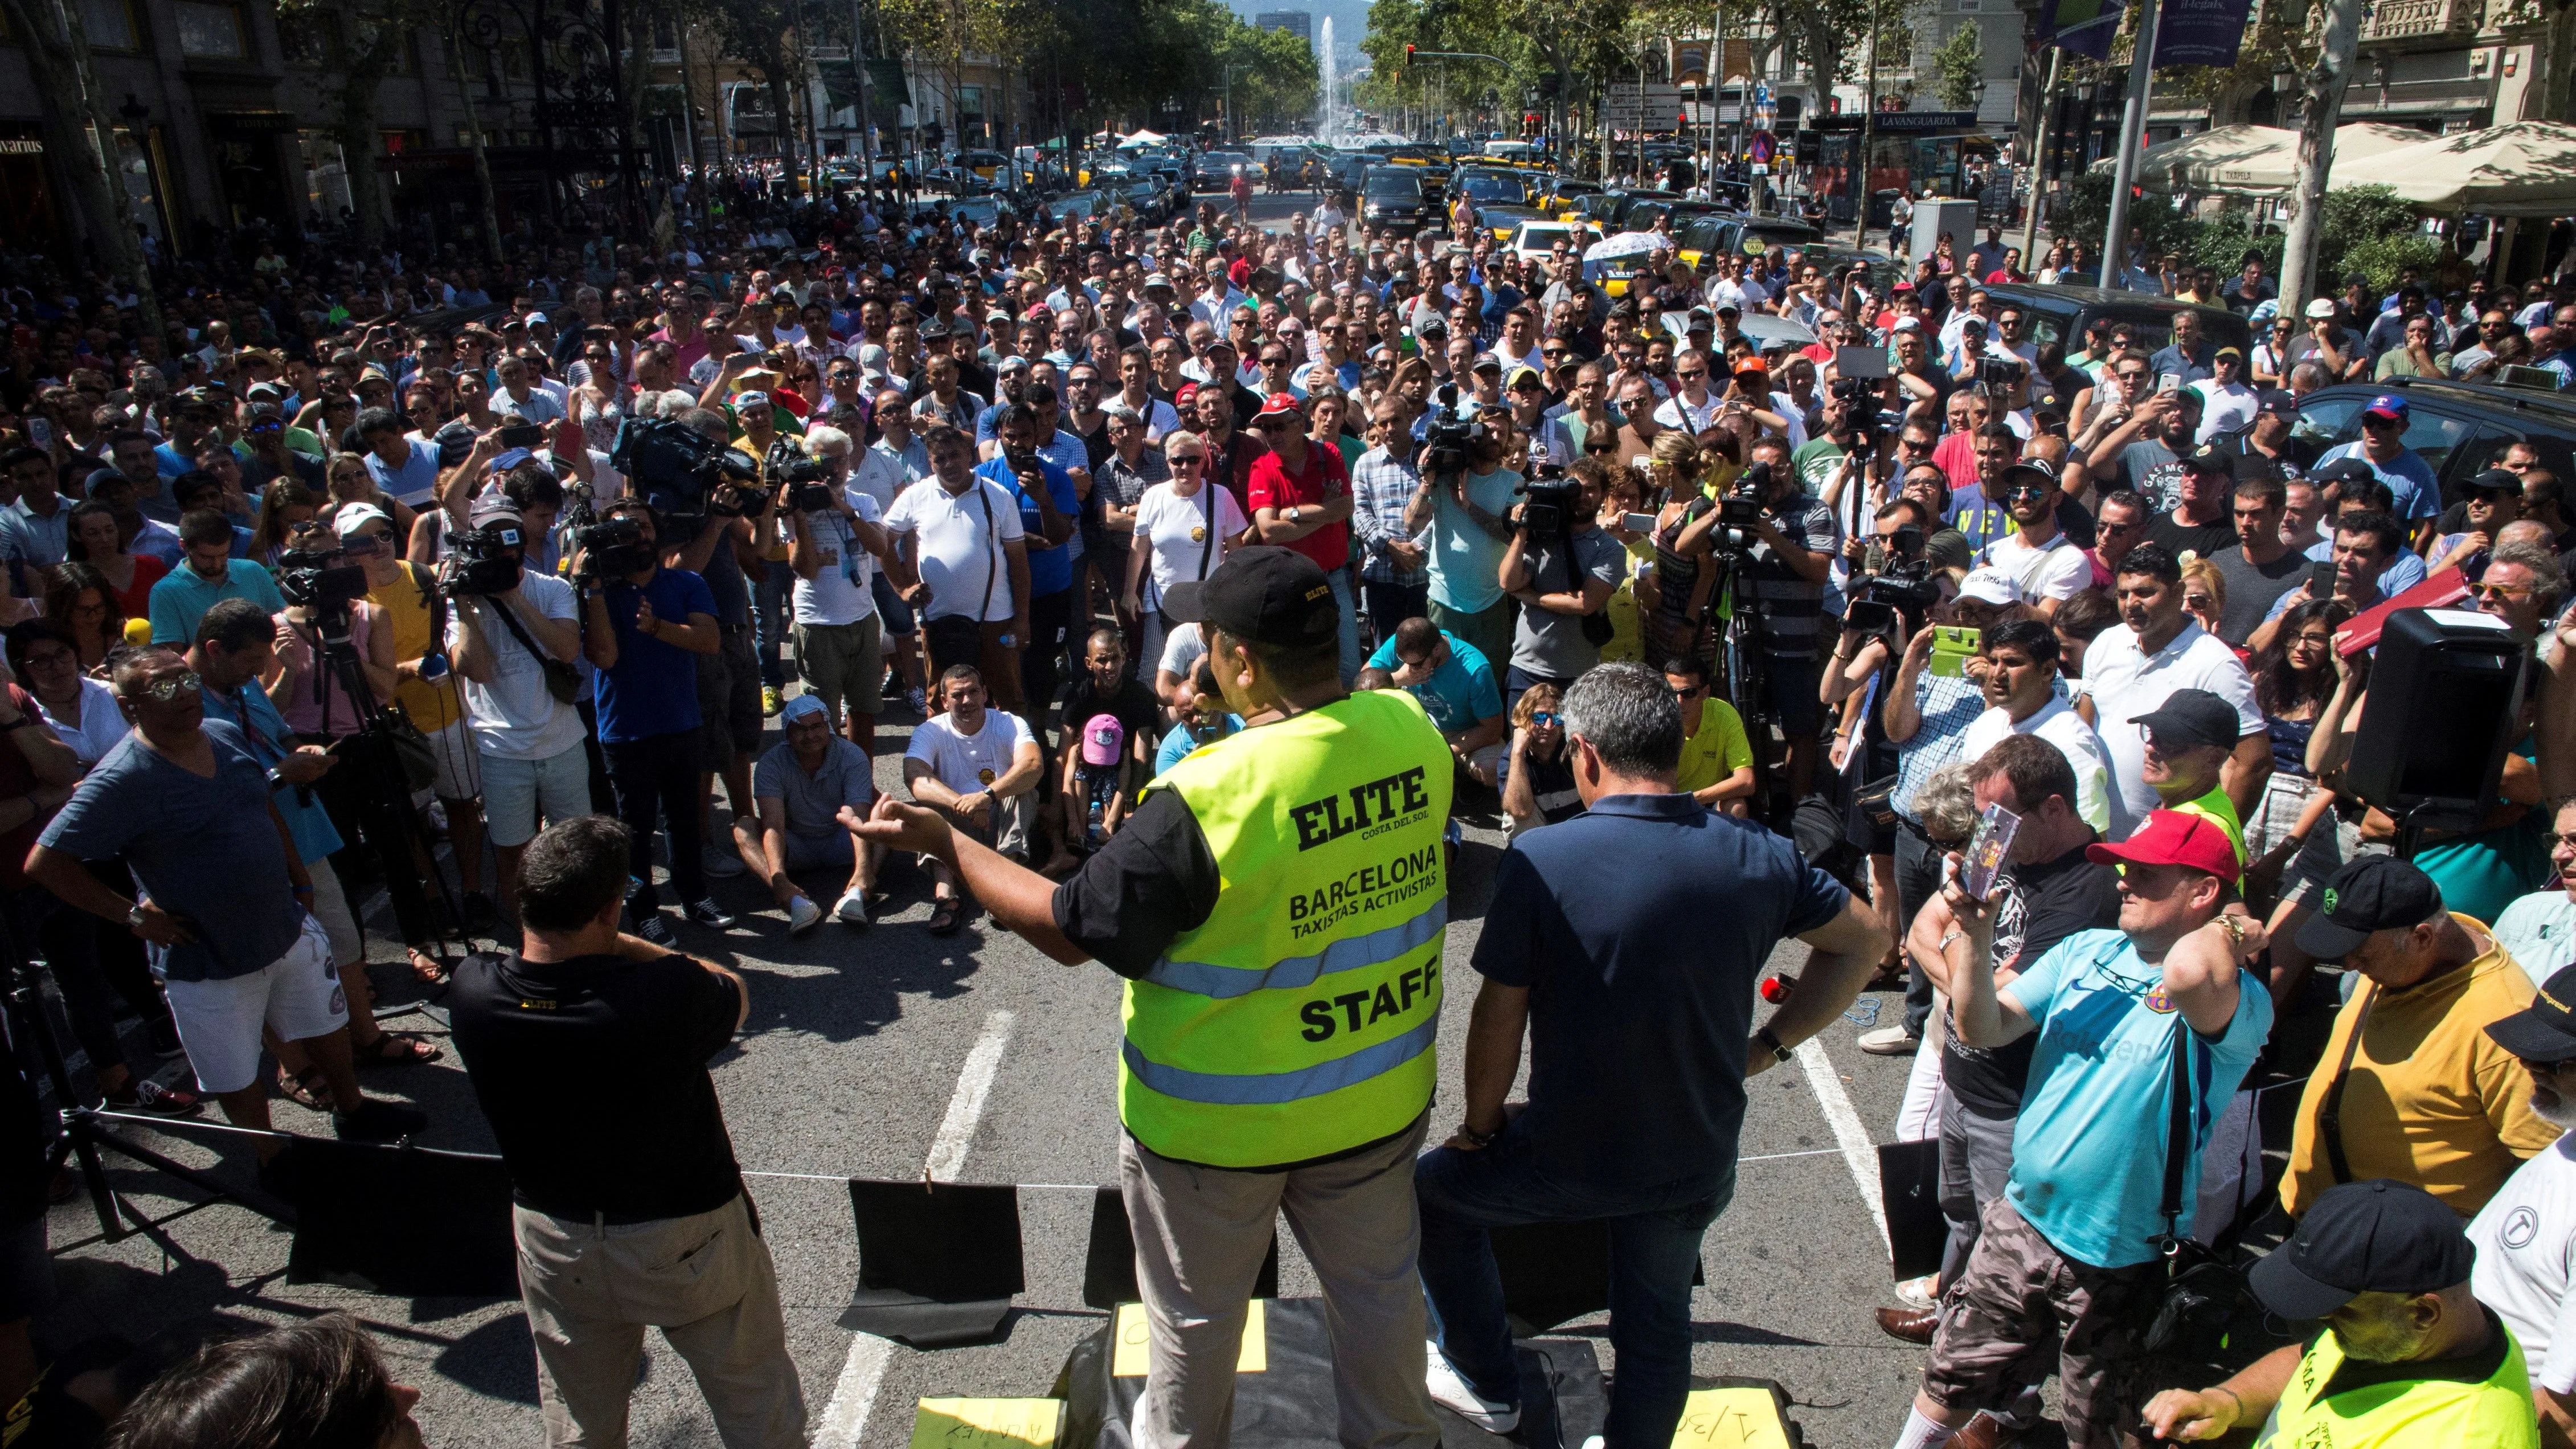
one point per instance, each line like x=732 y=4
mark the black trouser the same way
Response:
x=69 y=940
x=1042 y=655
x=1392 y=604
x=603 y=795
x=658 y=775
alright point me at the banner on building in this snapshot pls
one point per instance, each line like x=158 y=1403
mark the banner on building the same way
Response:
x=2201 y=32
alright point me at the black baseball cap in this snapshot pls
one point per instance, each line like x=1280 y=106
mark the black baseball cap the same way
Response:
x=2190 y=717
x=2212 y=460
x=2379 y=1236
x=1267 y=595
x=2544 y=1031
x=2374 y=893
x=2037 y=471
x=2341 y=470
x=2495 y=480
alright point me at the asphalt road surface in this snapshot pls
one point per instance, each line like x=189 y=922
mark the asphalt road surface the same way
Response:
x=889 y=1053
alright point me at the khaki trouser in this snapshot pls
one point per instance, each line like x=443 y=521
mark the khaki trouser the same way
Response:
x=1201 y=1233
x=706 y=1281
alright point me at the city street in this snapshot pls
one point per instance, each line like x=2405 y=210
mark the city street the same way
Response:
x=885 y=1053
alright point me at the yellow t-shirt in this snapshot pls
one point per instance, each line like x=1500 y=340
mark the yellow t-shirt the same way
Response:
x=2431 y=1099
x=1717 y=749
x=432 y=707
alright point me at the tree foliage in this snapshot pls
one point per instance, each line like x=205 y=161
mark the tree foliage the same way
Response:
x=1958 y=64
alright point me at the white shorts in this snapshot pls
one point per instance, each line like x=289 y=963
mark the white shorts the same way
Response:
x=298 y=995
x=331 y=907
x=518 y=794
x=459 y=772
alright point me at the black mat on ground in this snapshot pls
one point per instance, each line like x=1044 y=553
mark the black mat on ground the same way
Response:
x=1290 y=1403
x=1909 y=1192
x=1109 y=1265
x=938 y=1262
x=1557 y=1272
x=409 y=1222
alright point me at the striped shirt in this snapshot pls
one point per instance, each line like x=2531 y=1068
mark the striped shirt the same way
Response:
x=1381 y=485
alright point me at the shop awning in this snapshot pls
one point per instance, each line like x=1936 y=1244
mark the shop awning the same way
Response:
x=2524 y=168
x=2253 y=160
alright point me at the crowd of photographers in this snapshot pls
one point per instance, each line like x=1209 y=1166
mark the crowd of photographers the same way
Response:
x=332 y=575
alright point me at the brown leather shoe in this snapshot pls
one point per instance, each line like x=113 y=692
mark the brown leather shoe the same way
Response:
x=1985 y=1431
x=1914 y=1325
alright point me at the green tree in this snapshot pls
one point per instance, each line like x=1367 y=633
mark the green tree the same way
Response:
x=1958 y=64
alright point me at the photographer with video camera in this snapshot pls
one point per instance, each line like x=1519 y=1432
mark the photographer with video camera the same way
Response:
x=1557 y=540
x=1464 y=497
x=514 y=634
x=1769 y=525
x=643 y=627
x=836 y=535
x=716 y=521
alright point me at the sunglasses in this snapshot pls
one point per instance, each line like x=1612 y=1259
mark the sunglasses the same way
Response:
x=1187 y=460
x=2499 y=591
x=1539 y=719
x=170 y=687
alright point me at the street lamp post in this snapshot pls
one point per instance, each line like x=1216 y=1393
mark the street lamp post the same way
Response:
x=1233 y=128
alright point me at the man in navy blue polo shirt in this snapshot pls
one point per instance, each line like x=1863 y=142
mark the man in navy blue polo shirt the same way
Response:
x=1641 y=1037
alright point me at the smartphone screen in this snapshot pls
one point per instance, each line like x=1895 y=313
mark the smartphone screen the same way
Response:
x=1638 y=522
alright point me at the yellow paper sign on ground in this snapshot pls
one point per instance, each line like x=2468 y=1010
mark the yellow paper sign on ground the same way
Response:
x=1135 y=1349
x=987 y=1423
x=1728 y=1419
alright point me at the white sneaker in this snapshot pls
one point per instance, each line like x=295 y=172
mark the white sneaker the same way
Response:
x=852 y=909
x=1889 y=1041
x=1594 y=1441
x=802 y=916
x=1451 y=1391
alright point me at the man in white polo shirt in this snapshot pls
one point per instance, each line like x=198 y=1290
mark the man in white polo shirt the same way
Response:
x=2023 y=698
x=2154 y=650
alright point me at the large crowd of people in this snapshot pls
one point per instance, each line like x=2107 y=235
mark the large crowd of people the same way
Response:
x=396 y=547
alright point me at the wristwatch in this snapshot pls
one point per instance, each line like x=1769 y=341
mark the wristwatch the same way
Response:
x=1779 y=1052
x=1295 y=512
x=134 y=917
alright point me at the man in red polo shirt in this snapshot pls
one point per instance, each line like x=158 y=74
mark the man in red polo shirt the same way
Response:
x=1300 y=498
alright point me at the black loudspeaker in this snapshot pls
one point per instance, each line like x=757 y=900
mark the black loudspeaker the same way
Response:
x=409 y=1222
x=2445 y=703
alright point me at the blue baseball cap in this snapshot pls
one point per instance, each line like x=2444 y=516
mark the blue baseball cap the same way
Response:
x=2386 y=405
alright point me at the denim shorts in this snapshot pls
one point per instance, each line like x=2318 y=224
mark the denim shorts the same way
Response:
x=518 y=793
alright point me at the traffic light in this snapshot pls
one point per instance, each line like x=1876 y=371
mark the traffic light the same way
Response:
x=1408 y=57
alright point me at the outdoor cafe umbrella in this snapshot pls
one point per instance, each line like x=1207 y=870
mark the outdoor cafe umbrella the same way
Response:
x=2523 y=168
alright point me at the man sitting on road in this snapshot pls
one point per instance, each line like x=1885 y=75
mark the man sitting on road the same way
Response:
x=809 y=791
x=1456 y=686
x=978 y=767
x=2408 y=1355
x=1717 y=755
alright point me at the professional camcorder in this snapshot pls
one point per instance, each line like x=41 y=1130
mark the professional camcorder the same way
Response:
x=1895 y=586
x=1999 y=375
x=1549 y=507
x=809 y=487
x=611 y=548
x=675 y=468
x=483 y=563
x=1742 y=506
x=1452 y=439
x=308 y=585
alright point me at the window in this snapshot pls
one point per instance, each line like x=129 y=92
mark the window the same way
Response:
x=109 y=23
x=208 y=32
x=307 y=37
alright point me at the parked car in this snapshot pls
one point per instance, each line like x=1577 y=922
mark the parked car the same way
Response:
x=1392 y=199
x=1216 y=169
x=2458 y=428
x=2060 y=314
x=1538 y=238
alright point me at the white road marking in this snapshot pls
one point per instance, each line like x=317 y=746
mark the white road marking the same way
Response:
x=1860 y=1154
x=966 y=1106
x=845 y=1418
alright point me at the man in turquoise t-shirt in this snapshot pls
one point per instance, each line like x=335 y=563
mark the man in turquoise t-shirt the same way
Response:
x=1456 y=685
x=1470 y=519
x=2067 y=1255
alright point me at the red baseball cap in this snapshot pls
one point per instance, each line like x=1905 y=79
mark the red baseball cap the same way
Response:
x=2174 y=837
x=1183 y=395
x=1279 y=405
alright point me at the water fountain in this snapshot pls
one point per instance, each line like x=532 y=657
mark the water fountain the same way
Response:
x=1327 y=109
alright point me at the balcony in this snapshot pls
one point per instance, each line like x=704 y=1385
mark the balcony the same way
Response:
x=2414 y=19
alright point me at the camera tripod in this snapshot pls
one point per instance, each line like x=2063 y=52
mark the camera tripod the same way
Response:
x=387 y=818
x=1740 y=661
x=85 y=1125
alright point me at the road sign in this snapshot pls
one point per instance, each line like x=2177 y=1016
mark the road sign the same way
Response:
x=1630 y=107
x=1763 y=146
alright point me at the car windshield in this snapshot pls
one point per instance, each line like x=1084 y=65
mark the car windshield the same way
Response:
x=1394 y=185
x=1485 y=186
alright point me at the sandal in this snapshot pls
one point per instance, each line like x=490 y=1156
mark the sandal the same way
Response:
x=394 y=1049
x=305 y=1089
x=427 y=967
x=946 y=916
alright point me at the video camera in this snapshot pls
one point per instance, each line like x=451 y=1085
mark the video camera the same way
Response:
x=809 y=487
x=675 y=468
x=326 y=591
x=1549 y=507
x=1452 y=439
x=1895 y=586
x=1999 y=375
x=1743 y=506
x=483 y=562
x=611 y=548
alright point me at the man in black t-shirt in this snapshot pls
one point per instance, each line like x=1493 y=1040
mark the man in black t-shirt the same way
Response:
x=588 y=1053
x=2198 y=525
x=1107 y=688
x=2050 y=892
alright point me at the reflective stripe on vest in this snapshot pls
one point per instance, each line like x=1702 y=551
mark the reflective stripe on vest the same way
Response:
x=1298 y=1020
